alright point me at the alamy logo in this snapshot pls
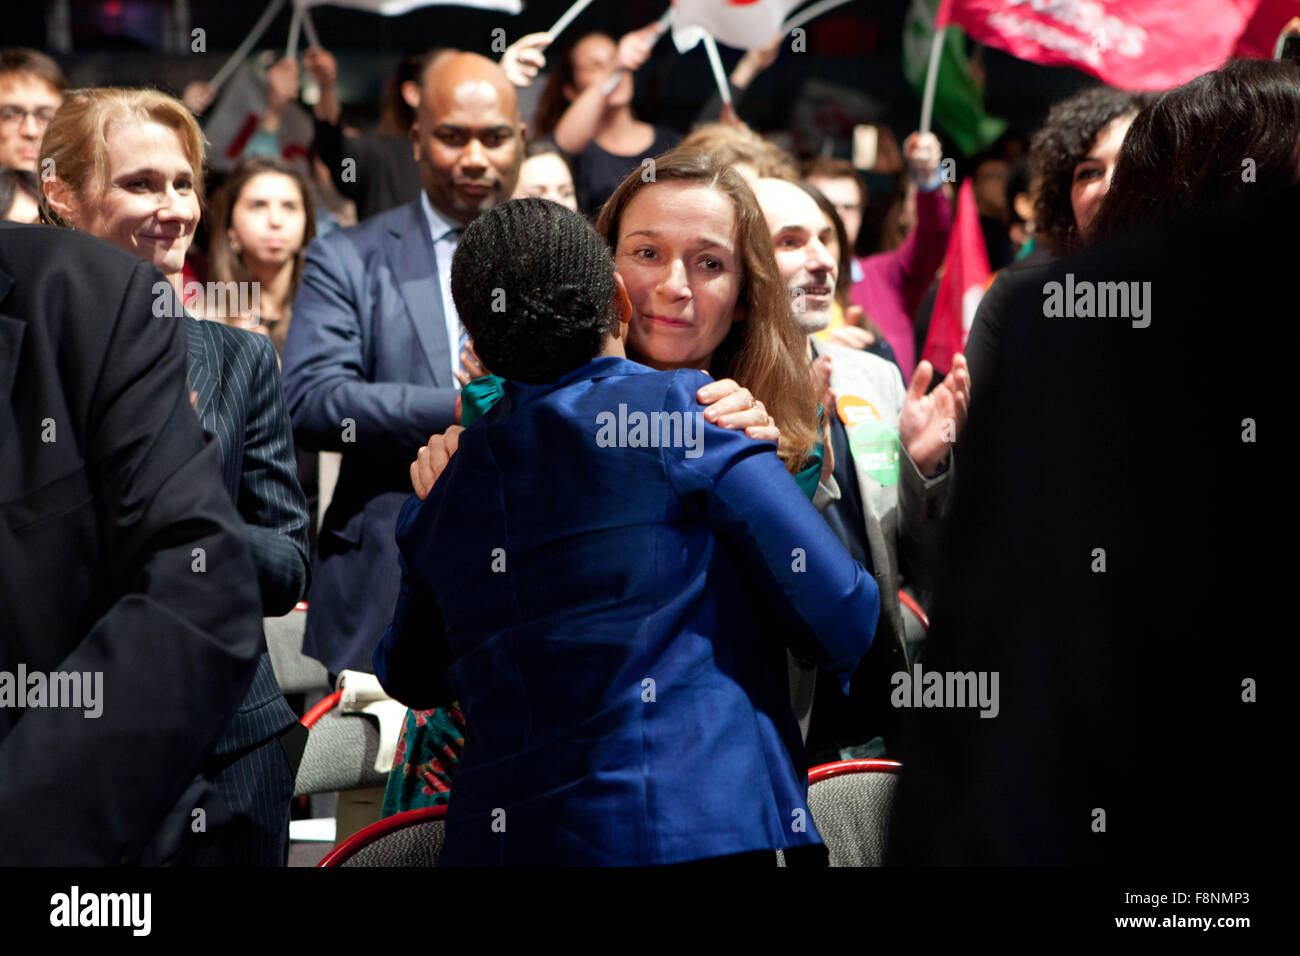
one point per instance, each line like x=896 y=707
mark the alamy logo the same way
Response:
x=651 y=430
x=75 y=908
x=946 y=689
x=76 y=689
x=1098 y=300
x=211 y=298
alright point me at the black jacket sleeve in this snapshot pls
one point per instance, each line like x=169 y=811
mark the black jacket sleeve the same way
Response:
x=158 y=598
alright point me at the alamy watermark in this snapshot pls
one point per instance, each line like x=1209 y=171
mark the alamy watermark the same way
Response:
x=947 y=689
x=651 y=430
x=77 y=909
x=211 y=298
x=1098 y=300
x=33 y=689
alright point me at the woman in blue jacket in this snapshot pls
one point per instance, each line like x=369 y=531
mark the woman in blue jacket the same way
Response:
x=591 y=578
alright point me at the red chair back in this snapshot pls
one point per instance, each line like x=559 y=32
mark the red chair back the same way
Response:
x=413 y=838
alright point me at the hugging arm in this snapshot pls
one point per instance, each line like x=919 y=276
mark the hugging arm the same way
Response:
x=750 y=500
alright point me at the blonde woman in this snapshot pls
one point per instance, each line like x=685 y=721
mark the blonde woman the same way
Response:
x=128 y=169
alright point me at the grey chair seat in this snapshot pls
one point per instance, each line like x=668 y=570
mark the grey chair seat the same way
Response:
x=295 y=672
x=852 y=815
x=416 y=845
x=340 y=755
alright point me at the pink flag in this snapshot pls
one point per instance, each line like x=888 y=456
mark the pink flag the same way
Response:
x=1132 y=44
x=965 y=276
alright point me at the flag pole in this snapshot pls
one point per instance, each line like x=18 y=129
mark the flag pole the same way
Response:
x=295 y=24
x=254 y=35
x=568 y=17
x=719 y=74
x=313 y=38
x=931 y=76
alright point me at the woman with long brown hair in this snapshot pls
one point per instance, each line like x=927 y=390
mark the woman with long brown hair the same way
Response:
x=693 y=247
x=128 y=169
x=262 y=222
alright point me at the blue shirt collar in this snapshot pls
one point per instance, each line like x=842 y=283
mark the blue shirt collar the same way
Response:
x=439 y=225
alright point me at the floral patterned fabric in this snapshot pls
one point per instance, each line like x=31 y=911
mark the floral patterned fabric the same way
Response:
x=425 y=760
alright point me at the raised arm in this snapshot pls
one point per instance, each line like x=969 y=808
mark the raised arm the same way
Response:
x=581 y=121
x=332 y=404
x=922 y=252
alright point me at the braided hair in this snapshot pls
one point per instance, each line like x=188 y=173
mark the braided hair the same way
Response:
x=534 y=285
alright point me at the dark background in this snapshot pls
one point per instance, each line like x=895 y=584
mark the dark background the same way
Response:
x=856 y=46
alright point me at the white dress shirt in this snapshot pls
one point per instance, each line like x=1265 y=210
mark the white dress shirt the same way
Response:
x=446 y=236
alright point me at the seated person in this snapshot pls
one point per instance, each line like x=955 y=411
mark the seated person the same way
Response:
x=595 y=593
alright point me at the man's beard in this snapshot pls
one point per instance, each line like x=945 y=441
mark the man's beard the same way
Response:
x=811 y=320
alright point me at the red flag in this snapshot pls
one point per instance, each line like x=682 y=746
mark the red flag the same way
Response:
x=965 y=276
x=1132 y=44
x=1260 y=39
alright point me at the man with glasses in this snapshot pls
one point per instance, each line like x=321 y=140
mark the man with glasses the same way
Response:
x=31 y=89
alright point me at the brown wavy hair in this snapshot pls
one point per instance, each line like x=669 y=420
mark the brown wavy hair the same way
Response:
x=224 y=264
x=77 y=138
x=765 y=353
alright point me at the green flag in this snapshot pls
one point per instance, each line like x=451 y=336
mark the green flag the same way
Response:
x=958 y=101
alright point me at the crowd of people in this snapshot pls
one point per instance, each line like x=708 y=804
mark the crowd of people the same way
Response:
x=632 y=649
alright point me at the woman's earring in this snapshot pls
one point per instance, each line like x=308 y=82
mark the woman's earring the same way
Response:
x=235 y=246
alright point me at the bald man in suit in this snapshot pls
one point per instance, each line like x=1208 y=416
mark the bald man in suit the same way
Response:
x=371 y=358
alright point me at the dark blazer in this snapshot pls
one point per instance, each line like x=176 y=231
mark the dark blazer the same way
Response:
x=241 y=402
x=1113 y=554
x=605 y=616
x=367 y=373
x=98 y=530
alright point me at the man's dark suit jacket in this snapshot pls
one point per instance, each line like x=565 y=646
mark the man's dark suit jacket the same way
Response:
x=367 y=372
x=241 y=401
x=99 y=527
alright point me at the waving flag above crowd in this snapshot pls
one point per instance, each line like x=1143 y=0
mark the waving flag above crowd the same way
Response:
x=1133 y=44
x=961 y=287
x=744 y=24
x=959 y=101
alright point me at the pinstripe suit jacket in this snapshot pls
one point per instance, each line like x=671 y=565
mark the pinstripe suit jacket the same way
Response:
x=241 y=402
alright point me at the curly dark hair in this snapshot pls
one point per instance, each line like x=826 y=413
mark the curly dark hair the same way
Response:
x=1189 y=149
x=534 y=285
x=1065 y=139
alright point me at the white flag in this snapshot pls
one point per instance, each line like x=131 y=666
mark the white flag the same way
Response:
x=746 y=26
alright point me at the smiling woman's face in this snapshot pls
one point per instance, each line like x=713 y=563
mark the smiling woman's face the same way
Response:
x=148 y=205
x=677 y=255
x=1092 y=173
